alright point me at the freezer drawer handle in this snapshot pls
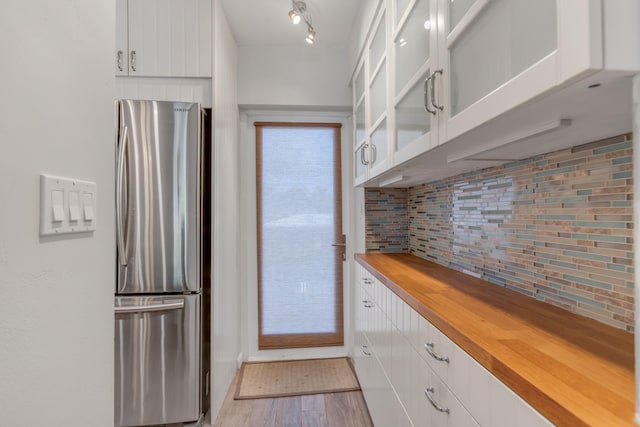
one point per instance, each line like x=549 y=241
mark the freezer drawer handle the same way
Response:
x=146 y=308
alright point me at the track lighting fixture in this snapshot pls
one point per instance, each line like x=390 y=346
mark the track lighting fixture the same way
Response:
x=298 y=13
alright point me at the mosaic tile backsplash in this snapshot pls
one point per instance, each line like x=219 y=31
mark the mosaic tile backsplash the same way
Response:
x=387 y=226
x=557 y=227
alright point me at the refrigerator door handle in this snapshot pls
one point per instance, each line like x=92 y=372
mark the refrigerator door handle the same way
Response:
x=122 y=143
x=175 y=305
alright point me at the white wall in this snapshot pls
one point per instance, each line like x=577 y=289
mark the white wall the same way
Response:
x=310 y=76
x=56 y=294
x=226 y=196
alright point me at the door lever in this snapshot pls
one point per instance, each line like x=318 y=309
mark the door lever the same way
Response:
x=343 y=246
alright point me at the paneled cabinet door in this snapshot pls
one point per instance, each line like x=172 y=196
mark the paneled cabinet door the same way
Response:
x=122 y=47
x=169 y=38
x=414 y=55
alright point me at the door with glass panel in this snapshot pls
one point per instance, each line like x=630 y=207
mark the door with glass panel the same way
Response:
x=414 y=41
x=300 y=242
x=496 y=54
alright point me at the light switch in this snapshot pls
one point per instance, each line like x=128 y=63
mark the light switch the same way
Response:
x=74 y=208
x=88 y=207
x=57 y=205
x=67 y=205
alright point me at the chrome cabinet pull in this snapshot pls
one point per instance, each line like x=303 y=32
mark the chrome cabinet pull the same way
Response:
x=367 y=281
x=429 y=393
x=367 y=303
x=362 y=153
x=364 y=349
x=119 y=60
x=429 y=347
x=132 y=60
x=426 y=95
x=433 y=90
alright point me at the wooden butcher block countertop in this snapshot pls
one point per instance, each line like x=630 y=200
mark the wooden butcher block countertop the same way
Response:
x=573 y=370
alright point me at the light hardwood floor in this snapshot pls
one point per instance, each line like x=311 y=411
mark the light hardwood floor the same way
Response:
x=319 y=410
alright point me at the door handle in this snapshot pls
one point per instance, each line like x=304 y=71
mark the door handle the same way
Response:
x=343 y=246
x=119 y=60
x=426 y=95
x=122 y=143
x=174 y=305
x=433 y=90
x=132 y=60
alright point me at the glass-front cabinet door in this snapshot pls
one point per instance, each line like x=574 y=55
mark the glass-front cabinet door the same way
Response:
x=495 y=54
x=361 y=155
x=377 y=51
x=413 y=57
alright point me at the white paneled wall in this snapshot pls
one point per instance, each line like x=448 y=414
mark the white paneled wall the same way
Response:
x=226 y=198
x=56 y=293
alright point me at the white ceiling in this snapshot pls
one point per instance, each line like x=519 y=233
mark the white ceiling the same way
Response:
x=266 y=22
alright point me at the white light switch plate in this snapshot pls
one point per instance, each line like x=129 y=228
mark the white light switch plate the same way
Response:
x=74 y=211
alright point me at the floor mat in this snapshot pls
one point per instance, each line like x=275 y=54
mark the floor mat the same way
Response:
x=295 y=377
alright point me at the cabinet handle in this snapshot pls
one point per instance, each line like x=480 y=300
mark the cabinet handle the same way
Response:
x=433 y=90
x=429 y=347
x=364 y=350
x=119 y=60
x=367 y=281
x=429 y=393
x=132 y=60
x=426 y=95
x=374 y=156
x=367 y=303
x=362 y=159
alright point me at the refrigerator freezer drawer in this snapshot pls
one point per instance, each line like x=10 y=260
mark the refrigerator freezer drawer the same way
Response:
x=157 y=355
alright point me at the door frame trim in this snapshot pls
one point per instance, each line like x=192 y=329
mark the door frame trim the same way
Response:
x=249 y=285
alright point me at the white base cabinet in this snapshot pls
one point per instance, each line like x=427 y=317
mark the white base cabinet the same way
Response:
x=411 y=374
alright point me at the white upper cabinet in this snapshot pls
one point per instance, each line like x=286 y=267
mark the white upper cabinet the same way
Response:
x=498 y=54
x=472 y=83
x=163 y=38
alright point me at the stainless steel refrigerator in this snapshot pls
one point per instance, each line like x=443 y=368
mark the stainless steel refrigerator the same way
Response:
x=158 y=306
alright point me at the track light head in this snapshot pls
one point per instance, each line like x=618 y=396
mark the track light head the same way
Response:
x=311 y=35
x=295 y=18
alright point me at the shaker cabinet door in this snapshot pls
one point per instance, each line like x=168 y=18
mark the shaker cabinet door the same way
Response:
x=166 y=38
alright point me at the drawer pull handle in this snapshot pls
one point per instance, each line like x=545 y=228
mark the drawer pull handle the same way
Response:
x=367 y=281
x=429 y=347
x=429 y=393
x=367 y=303
x=364 y=350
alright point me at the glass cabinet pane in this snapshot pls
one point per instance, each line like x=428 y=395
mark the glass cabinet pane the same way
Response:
x=379 y=143
x=360 y=123
x=359 y=84
x=401 y=8
x=378 y=45
x=412 y=44
x=457 y=9
x=378 y=94
x=505 y=39
x=412 y=120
